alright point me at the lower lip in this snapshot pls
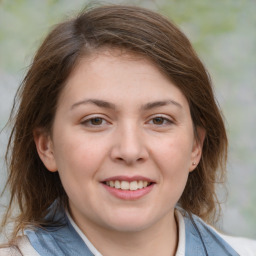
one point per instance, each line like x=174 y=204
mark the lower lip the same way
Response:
x=128 y=194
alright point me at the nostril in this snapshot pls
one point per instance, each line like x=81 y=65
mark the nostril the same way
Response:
x=129 y=161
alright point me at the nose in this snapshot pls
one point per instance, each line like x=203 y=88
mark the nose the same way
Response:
x=129 y=146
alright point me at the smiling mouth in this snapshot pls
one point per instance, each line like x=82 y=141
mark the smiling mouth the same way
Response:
x=126 y=185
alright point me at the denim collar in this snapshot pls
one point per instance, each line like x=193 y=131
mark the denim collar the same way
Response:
x=63 y=240
x=202 y=240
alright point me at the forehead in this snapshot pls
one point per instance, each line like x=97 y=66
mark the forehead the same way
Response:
x=97 y=58
x=111 y=73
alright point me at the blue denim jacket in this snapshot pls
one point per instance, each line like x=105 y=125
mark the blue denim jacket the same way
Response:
x=64 y=240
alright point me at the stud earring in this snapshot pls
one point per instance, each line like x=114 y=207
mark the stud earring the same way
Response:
x=194 y=163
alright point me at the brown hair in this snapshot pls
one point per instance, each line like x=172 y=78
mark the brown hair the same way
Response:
x=134 y=29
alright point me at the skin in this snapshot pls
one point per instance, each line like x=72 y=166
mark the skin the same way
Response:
x=126 y=135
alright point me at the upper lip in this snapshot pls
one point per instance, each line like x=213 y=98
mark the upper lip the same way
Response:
x=128 y=178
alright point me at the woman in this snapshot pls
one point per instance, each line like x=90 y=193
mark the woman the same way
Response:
x=117 y=143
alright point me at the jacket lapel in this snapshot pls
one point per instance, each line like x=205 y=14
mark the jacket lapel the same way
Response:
x=201 y=240
x=61 y=240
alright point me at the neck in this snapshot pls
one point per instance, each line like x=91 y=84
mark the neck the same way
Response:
x=159 y=239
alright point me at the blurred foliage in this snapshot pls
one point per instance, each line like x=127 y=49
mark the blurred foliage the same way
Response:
x=224 y=35
x=23 y=24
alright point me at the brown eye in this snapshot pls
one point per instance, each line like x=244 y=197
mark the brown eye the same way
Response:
x=158 y=120
x=96 y=121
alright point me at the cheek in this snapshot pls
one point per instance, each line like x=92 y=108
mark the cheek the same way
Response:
x=78 y=164
x=174 y=171
x=174 y=152
x=78 y=158
x=173 y=157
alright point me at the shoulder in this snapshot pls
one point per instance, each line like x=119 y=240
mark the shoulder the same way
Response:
x=10 y=251
x=243 y=246
x=199 y=233
x=22 y=247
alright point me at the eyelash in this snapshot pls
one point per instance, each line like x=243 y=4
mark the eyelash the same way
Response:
x=89 y=122
x=165 y=120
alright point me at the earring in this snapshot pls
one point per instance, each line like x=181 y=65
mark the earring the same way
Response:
x=194 y=163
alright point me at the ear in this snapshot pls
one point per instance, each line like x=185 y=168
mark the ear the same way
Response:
x=44 y=146
x=197 y=147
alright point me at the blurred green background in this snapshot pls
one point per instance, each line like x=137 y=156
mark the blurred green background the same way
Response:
x=224 y=34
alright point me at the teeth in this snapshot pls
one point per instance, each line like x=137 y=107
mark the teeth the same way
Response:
x=117 y=184
x=140 y=184
x=134 y=185
x=126 y=185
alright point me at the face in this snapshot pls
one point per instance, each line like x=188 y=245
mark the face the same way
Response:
x=122 y=142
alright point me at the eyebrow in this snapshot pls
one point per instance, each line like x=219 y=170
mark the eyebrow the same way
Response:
x=106 y=104
x=161 y=103
x=99 y=103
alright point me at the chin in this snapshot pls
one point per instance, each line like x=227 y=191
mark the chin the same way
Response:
x=129 y=223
